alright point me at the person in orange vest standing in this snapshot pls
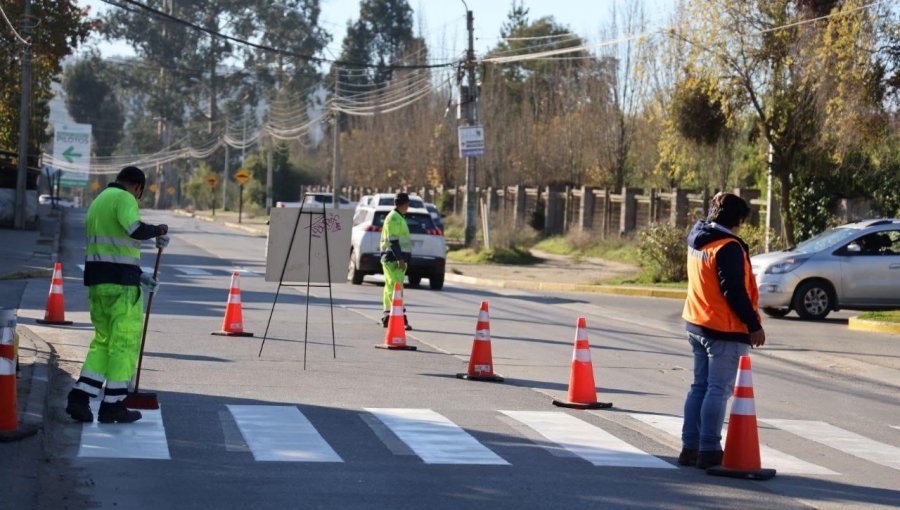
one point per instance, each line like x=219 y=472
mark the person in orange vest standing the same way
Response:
x=722 y=322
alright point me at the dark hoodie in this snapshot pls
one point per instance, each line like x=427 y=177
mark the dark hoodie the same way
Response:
x=730 y=268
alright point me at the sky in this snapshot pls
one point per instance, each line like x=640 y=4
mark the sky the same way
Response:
x=443 y=22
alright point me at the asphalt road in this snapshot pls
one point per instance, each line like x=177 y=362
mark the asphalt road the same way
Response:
x=385 y=429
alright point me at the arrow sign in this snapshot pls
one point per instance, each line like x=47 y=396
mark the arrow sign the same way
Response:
x=70 y=154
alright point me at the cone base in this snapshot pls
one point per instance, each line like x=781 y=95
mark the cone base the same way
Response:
x=396 y=347
x=22 y=432
x=488 y=378
x=761 y=474
x=579 y=405
x=141 y=400
x=228 y=333
x=54 y=323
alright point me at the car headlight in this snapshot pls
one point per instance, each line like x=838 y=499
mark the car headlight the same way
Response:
x=786 y=266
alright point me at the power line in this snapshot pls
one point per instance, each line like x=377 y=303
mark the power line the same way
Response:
x=12 y=27
x=263 y=47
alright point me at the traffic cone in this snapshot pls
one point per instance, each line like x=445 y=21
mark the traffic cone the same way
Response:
x=233 y=325
x=741 y=458
x=481 y=365
x=395 y=337
x=56 y=304
x=582 y=393
x=9 y=417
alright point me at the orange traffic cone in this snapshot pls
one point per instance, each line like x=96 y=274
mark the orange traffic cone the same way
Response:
x=741 y=458
x=395 y=338
x=481 y=365
x=56 y=303
x=233 y=325
x=9 y=420
x=582 y=393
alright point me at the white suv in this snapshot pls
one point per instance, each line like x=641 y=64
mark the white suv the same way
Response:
x=429 y=250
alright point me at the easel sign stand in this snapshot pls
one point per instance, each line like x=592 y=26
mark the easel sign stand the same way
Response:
x=324 y=228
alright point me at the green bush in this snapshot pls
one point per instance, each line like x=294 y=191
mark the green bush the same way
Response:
x=509 y=256
x=663 y=252
x=444 y=203
x=755 y=237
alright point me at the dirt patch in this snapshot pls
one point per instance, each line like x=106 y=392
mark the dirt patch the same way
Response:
x=551 y=268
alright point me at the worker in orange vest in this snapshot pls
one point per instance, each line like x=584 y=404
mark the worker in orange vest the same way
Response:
x=722 y=321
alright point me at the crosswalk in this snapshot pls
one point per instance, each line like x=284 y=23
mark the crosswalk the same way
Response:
x=283 y=433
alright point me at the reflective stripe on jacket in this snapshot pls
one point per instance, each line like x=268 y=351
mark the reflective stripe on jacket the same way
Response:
x=395 y=229
x=706 y=305
x=112 y=255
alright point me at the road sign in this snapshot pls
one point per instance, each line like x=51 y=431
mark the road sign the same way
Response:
x=212 y=180
x=471 y=141
x=72 y=153
x=95 y=185
x=170 y=190
x=242 y=176
x=154 y=188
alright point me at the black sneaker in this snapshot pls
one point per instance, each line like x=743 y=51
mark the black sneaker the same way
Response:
x=688 y=457
x=384 y=320
x=79 y=406
x=709 y=459
x=117 y=413
x=406 y=323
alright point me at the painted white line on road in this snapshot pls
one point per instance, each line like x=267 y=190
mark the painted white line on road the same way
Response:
x=842 y=440
x=193 y=271
x=434 y=438
x=144 y=439
x=591 y=443
x=281 y=433
x=81 y=266
x=895 y=427
x=771 y=458
x=147 y=269
x=244 y=272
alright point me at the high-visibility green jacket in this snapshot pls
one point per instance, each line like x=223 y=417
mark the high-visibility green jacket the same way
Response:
x=114 y=233
x=396 y=244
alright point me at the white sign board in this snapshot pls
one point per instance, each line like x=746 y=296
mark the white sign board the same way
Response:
x=72 y=151
x=309 y=254
x=471 y=141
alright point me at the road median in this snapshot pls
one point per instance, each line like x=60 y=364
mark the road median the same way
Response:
x=874 y=326
x=622 y=290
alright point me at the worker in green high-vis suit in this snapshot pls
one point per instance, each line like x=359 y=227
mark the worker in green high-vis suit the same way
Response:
x=112 y=273
x=396 y=253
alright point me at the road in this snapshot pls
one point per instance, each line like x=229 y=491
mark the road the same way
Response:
x=393 y=429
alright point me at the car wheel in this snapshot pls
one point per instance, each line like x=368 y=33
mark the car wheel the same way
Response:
x=436 y=281
x=813 y=300
x=776 y=312
x=414 y=281
x=353 y=274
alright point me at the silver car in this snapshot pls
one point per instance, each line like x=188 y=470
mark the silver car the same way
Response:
x=854 y=266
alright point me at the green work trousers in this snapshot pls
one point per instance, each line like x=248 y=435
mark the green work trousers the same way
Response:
x=117 y=312
x=392 y=274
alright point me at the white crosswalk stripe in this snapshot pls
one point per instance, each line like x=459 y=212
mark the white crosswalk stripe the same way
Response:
x=434 y=438
x=591 y=443
x=770 y=457
x=281 y=433
x=192 y=271
x=145 y=439
x=842 y=440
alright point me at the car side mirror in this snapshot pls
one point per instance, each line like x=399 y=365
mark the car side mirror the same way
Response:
x=853 y=248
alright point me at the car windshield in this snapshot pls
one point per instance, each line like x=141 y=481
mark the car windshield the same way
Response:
x=418 y=223
x=825 y=240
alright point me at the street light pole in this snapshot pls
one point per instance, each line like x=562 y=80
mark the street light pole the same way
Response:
x=470 y=102
x=336 y=137
x=24 y=117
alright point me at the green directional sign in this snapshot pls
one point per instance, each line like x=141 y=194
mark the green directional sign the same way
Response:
x=70 y=154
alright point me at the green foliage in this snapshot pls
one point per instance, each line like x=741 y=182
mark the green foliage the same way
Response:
x=583 y=245
x=755 y=237
x=91 y=100
x=509 y=256
x=663 y=251
x=444 y=203
x=382 y=35
x=697 y=111
x=198 y=192
x=889 y=316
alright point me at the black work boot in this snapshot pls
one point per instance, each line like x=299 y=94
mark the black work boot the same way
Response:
x=688 y=457
x=117 y=413
x=709 y=459
x=384 y=319
x=79 y=406
x=406 y=323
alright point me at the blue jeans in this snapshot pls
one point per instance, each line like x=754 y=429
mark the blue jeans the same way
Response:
x=715 y=370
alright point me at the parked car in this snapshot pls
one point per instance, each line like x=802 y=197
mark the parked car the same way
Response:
x=854 y=266
x=318 y=199
x=60 y=202
x=436 y=215
x=388 y=199
x=429 y=250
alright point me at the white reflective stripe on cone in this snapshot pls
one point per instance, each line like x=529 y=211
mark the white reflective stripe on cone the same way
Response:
x=7 y=336
x=483 y=369
x=744 y=379
x=483 y=334
x=483 y=316
x=234 y=299
x=743 y=406
x=56 y=289
x=583 y=355
x=397 y=311
x=581 y=335
x=7 y=366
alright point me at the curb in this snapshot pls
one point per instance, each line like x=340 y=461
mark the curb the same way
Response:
x=252 y=230
x=570 y=287
x=858 y=324
x=34 y=409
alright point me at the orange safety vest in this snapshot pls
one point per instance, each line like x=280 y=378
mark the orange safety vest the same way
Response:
x=706 y=306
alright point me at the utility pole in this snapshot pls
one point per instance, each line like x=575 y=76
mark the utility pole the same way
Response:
x=336 y=134
x=269 y=178
x=225 y=172
x=470 y=101
x=24 y=118
x=769 y=205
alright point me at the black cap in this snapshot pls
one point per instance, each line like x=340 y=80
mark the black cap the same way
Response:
x=402 y=198
x=132 y=175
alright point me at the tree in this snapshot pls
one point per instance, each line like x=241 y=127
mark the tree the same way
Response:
x=63 y=26
x=382 y=36
x=91 y=100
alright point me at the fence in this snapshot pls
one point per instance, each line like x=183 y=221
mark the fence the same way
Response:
x=556 y=210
